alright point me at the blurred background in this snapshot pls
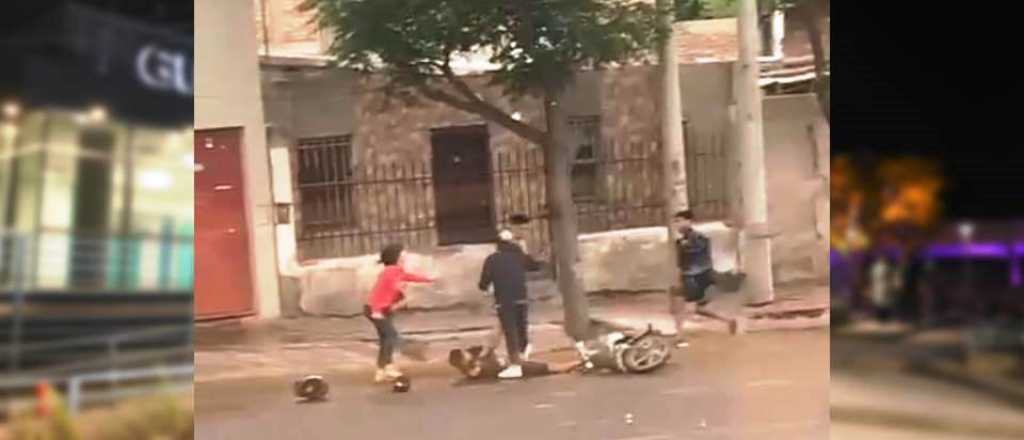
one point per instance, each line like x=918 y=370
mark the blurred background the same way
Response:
x=96 y=199
x=927 y=229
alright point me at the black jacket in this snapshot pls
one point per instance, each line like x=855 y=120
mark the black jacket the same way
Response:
x=506 y=270
x=693 y=253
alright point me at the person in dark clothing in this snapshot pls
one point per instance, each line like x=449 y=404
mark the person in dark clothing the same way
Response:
x=693 y=258
x=505 y=271
x=479 y=362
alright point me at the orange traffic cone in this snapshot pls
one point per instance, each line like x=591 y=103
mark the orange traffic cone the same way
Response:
x=44 y=399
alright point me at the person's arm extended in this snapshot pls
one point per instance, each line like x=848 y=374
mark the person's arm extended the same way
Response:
x=564 y=367
x=415 y=278
x=485 y=275
x=532 y=265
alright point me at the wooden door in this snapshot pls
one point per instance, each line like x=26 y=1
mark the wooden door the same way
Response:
x=463 y=192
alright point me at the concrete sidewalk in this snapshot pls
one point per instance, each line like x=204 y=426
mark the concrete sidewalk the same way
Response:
x=875 y=383
x=920 y=404
x=266 y=348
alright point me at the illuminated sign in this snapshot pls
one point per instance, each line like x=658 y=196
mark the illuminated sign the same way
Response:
x=164 y=70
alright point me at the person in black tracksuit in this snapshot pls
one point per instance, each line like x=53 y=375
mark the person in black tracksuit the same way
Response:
x=506 y=270
x=693 y=258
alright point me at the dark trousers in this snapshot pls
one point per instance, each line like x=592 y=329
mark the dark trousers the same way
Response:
x=515 y=326
x=388 y=335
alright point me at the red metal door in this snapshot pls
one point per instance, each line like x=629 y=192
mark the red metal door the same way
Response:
x=223 y=276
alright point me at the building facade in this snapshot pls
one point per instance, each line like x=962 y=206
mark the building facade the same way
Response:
x=95 y=158
x=355 y=168
x=237 y=273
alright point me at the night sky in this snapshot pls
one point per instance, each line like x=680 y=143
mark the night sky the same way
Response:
x=176 y=14
x=937 y=83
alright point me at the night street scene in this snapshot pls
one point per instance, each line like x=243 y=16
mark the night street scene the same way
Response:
x=582 y=219
x=926 y=236
x=489 y=219
x=96 y=219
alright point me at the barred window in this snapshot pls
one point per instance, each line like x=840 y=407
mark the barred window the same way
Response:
x=586 y=132
x=324 y=181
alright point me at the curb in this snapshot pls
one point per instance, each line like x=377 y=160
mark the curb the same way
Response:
x=920 y=422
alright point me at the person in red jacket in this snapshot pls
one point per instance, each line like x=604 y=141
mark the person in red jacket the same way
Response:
x=384 y=299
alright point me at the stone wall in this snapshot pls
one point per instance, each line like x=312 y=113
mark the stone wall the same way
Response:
x=340 y=287
x=633 y=260
x=796 y=152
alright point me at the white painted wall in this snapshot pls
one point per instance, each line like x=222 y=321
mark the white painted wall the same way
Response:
x=227 y=94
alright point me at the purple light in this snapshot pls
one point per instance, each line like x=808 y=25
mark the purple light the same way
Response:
x=982 y=250
x=1016 y=277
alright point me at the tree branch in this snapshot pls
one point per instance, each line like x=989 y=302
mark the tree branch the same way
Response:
x=485 y=110
x=492 y=112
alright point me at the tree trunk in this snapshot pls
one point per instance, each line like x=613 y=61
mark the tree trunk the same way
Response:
x=562 y=218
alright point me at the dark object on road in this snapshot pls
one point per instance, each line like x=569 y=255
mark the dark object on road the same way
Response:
x=478 y=362
x=402 y=384
x=311 y=388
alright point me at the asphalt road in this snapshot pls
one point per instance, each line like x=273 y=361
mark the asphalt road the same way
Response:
x=756 y=386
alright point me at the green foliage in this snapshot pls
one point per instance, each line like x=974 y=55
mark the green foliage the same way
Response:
x=686 y=10
x=720 y=8
x=162 y=416
x=538 y=44
x=58 y=426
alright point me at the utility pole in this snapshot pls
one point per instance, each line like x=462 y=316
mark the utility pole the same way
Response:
x=673 y=152
x=755 y=239
x=672 y=144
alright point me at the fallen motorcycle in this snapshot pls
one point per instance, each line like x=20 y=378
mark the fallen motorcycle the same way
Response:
x=625 y=353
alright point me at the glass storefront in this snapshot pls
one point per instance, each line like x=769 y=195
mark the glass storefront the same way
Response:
x=95 y=204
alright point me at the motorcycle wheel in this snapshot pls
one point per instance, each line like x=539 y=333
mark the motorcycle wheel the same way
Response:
x=646 y=355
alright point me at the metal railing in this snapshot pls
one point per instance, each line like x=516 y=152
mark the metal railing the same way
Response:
x=64 y=260
x=396 y=201
x=76 y=384
x=113 y=357
x=112 y=343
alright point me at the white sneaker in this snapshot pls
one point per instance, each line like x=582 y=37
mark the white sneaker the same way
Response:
x=511 y=372
x=392 y=372
x=527 y=352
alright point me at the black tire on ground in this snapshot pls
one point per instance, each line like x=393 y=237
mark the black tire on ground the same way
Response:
x=646 y=355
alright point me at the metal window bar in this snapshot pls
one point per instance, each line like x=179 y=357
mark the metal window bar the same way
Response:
x=585 y=171
x=324 y=183
x=396 y=200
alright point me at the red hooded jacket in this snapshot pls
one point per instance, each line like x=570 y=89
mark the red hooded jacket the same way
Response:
x=388 y=291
